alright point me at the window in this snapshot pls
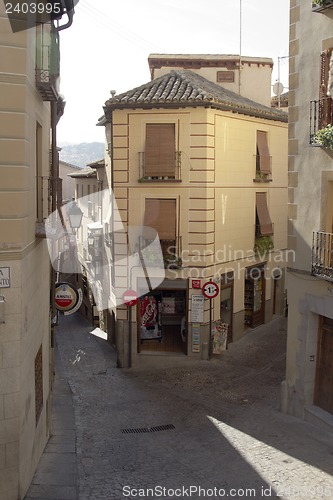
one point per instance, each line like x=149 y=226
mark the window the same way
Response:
x=263 y=158
x=264 y=226
x=160 y=151
x=326 y=82
x=225 y=76
x=39 y=383
x=160 y=214
x=39 y=173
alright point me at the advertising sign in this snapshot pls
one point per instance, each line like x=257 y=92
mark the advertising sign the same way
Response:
x=4 y=277
x=197 y=309
x=67 y=298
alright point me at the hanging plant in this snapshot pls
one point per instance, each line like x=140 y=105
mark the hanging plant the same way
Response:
x=263 y=244
x=324 y=137
x=321 y=3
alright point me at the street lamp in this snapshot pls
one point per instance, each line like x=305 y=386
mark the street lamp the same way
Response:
x=75 y=215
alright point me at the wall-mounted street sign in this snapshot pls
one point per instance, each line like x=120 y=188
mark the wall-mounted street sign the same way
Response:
x=210 y=290
x=130 y=298
x=4 y=277
x=197 y=308
x=67 y=298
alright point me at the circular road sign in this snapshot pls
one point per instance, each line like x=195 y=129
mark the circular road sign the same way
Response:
x=210 y=290
x=130 y=298
x=66 y=297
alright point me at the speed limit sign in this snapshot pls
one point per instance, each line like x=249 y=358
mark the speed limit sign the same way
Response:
x=210 y=289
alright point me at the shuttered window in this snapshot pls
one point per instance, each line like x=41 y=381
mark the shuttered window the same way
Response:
x=325 y=101
x=160 y=152
x=161 y=215
x=265 y=223
x=263 y=156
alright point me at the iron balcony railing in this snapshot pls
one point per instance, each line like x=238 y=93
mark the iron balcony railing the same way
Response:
x=322 y=255
x=321 y=115
x=171 y=251
x=262 y=176
x=321 y=5
x=145 y=176
x=48 y=65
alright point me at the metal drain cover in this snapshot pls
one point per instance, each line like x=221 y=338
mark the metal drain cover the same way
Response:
x=142 y=430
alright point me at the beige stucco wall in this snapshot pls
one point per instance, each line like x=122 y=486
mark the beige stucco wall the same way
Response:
x=253 y=81
x=310 y=206
x=216 y=197
x=27 y=324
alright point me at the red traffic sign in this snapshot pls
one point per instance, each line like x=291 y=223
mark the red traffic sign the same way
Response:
x=130 y=298
x=210 y=290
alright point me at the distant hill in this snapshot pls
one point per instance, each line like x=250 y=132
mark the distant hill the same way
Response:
x=81 y=154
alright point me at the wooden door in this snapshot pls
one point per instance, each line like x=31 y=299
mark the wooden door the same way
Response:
x=324 y=373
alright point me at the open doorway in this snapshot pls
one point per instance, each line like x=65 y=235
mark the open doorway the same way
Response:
x=162 y=322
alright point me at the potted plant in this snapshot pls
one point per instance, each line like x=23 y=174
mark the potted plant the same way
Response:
x=172 y=262
x=263 y=244
x=321 y=3
x=324 y=137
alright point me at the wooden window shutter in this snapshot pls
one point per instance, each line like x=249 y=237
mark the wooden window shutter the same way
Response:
x=266 y=226
x=161 y=215
x=160 y=153
x=263 y=152
x=325 y=102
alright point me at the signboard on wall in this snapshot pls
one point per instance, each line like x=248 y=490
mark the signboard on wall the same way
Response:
x=197 y=308
x=196 y=337
x=4 y=277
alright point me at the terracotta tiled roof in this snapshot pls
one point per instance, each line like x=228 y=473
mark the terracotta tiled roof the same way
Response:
x=185 y=88
x=84 y=172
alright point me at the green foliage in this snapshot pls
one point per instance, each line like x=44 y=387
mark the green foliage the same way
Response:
x=263 y=244
x=321 y=3
x=324 y=137
x=172 y=262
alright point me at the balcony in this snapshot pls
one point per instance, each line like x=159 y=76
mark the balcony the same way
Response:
x=43 y=204
x=321 y=5
x=48 y=66
x=148 y=176
x=321 y=115
x=322 y=255
x=171 y=250
x=261 y=174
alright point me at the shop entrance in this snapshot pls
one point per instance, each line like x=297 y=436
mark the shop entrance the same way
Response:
x=227 y=309
x=254 y=296
x=161 y=321
x=324 y=373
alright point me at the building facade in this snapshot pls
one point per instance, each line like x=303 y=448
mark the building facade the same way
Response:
x=307 y=391
x=30 y=108
x=206 y=169
x=67 y=183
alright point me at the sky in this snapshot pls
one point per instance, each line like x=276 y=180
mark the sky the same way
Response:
x=108 y=45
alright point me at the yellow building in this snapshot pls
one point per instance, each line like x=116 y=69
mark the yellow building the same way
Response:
x=207 y=169
x=307 y=391
x=30 y=107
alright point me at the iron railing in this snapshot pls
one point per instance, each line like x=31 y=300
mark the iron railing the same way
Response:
x=321 y=115
x=322 y=255
x=48 y=65
x=321 y=5
x=171 y=251
x=146 y=177
x=262 y=176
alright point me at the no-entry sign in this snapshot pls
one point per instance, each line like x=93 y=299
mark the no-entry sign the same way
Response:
x=130 y=298
x=210 y=290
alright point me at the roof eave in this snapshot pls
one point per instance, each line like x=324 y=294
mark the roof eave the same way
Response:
x=190 y=104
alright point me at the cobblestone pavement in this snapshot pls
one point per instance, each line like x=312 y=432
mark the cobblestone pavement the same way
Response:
x=226 y=433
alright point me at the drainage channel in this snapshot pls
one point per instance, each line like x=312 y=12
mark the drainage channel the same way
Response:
x=142 y=430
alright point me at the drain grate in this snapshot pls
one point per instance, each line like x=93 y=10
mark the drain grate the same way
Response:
x=142 y=430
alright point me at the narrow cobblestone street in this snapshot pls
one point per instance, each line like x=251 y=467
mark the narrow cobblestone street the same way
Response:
x=224 y=431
